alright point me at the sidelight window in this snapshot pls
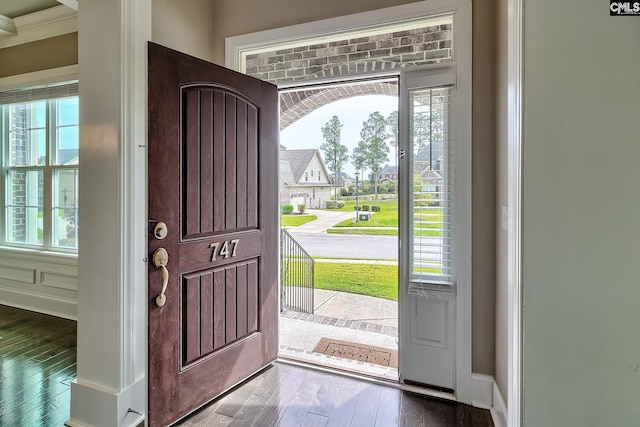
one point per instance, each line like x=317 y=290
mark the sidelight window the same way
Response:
x=40 y=143
x=431 y=196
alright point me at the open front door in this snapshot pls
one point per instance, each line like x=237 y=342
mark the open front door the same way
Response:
x=213 y=149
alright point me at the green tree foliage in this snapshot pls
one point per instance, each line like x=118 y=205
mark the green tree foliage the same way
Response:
x=374 y=138
x=359 y=157
x=335 y=153
x=420 y=198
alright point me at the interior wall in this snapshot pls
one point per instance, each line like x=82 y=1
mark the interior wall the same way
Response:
x=185 y=26
x=581 y=169
x=40 y=55
x=502 y=333
x=236 y=17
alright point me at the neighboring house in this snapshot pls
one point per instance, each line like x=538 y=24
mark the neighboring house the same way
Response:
x=390 y=173
x=304 y=178
x=341 y=180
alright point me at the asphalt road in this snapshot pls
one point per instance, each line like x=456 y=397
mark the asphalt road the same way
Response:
x=348 y=246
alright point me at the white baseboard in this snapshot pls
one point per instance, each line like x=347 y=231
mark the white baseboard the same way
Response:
x=482 y=391
x=46 y=304
x=95 y=406
x=485 y=394
x=499 y=409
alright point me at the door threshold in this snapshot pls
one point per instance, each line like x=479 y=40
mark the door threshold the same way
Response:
x=288 y=359
x=339 y=364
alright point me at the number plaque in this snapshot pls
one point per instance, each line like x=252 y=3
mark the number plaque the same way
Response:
x=226 y=249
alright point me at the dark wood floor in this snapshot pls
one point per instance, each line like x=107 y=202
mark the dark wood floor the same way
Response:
x=37 y=365
x=291 y=396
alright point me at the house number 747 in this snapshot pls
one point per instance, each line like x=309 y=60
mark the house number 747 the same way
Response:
x=227 y=248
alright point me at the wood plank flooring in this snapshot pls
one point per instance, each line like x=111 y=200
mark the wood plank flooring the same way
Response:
x=37 y=365
x=290 y=396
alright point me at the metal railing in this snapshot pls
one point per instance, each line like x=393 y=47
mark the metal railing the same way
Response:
x=296 y=275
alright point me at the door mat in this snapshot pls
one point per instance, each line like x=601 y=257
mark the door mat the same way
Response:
x=356 y=351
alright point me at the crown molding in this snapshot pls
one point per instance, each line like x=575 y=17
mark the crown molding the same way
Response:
x=7 y=26
x=52 y=22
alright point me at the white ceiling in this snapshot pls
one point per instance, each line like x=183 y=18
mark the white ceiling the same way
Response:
x=13 y=8
x=13 y=11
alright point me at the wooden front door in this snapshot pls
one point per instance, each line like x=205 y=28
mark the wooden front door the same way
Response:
x=213 y=150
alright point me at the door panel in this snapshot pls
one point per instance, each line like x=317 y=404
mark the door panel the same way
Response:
x=213 y=147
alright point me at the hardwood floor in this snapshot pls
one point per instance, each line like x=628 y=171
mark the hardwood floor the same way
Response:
x=291 y=396
x=37 y=365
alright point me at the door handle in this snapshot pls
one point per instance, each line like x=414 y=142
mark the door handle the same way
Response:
x=160 y=260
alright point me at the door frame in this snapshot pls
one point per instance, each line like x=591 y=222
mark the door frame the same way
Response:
x=237 y=47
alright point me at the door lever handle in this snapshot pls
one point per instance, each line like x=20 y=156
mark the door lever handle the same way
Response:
x=160 y=260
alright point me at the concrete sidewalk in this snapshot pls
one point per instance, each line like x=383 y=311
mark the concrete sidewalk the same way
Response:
x=343 y=316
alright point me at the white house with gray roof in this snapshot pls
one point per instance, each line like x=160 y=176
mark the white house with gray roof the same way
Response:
x=304 y=178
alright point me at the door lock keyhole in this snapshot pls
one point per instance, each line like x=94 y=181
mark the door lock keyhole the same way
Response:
x=160 y=231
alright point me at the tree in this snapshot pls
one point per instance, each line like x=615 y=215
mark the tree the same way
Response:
x=392 y=127
x=374 y=137
x=359 y=157
x=428 y=135
x=335 y=153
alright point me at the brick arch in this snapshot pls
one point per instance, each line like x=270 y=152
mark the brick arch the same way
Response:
x=347 y=57
x=296 y=105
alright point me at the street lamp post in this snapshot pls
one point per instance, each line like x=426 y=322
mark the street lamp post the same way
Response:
x=357 y=206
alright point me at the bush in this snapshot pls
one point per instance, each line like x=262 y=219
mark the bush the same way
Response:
x=287 y=209
x=301 y=208
x=376 y=208
x=332 y=204
x=340 y=204
x=357 y=208
x=365 y=208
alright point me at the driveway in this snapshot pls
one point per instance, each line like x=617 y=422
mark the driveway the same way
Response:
x=326 y=219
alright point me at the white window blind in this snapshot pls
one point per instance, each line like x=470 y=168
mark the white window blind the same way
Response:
x=39 y=93
x=431 y=230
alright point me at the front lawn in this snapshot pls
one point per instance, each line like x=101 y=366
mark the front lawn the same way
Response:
x=375 y=280
x=295 y=220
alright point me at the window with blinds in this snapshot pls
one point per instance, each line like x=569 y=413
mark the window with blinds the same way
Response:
x=431 y=224
x=39 y=136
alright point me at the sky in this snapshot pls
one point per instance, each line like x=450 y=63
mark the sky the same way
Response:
x=352 y=112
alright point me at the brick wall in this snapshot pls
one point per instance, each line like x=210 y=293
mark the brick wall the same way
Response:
x=340 y=58
x=18 y=156
x=346 y=57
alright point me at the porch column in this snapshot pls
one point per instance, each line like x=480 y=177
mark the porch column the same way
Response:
x=111 y=389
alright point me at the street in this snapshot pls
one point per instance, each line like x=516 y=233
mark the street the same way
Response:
x=348 y=245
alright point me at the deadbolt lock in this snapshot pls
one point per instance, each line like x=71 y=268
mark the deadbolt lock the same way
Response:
x=160 y=231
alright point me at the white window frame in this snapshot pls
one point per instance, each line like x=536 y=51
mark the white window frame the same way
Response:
x=236 y=48
x=54 y=76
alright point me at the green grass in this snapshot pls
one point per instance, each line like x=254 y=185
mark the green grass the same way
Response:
x=295 y=220
x=364 y=279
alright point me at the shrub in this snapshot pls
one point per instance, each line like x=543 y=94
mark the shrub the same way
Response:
x=375 y=208
x=365 y=208
x=340 y=204
x=301 y=207
x=287 y=209
x=332 y=204
x=357 y=208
